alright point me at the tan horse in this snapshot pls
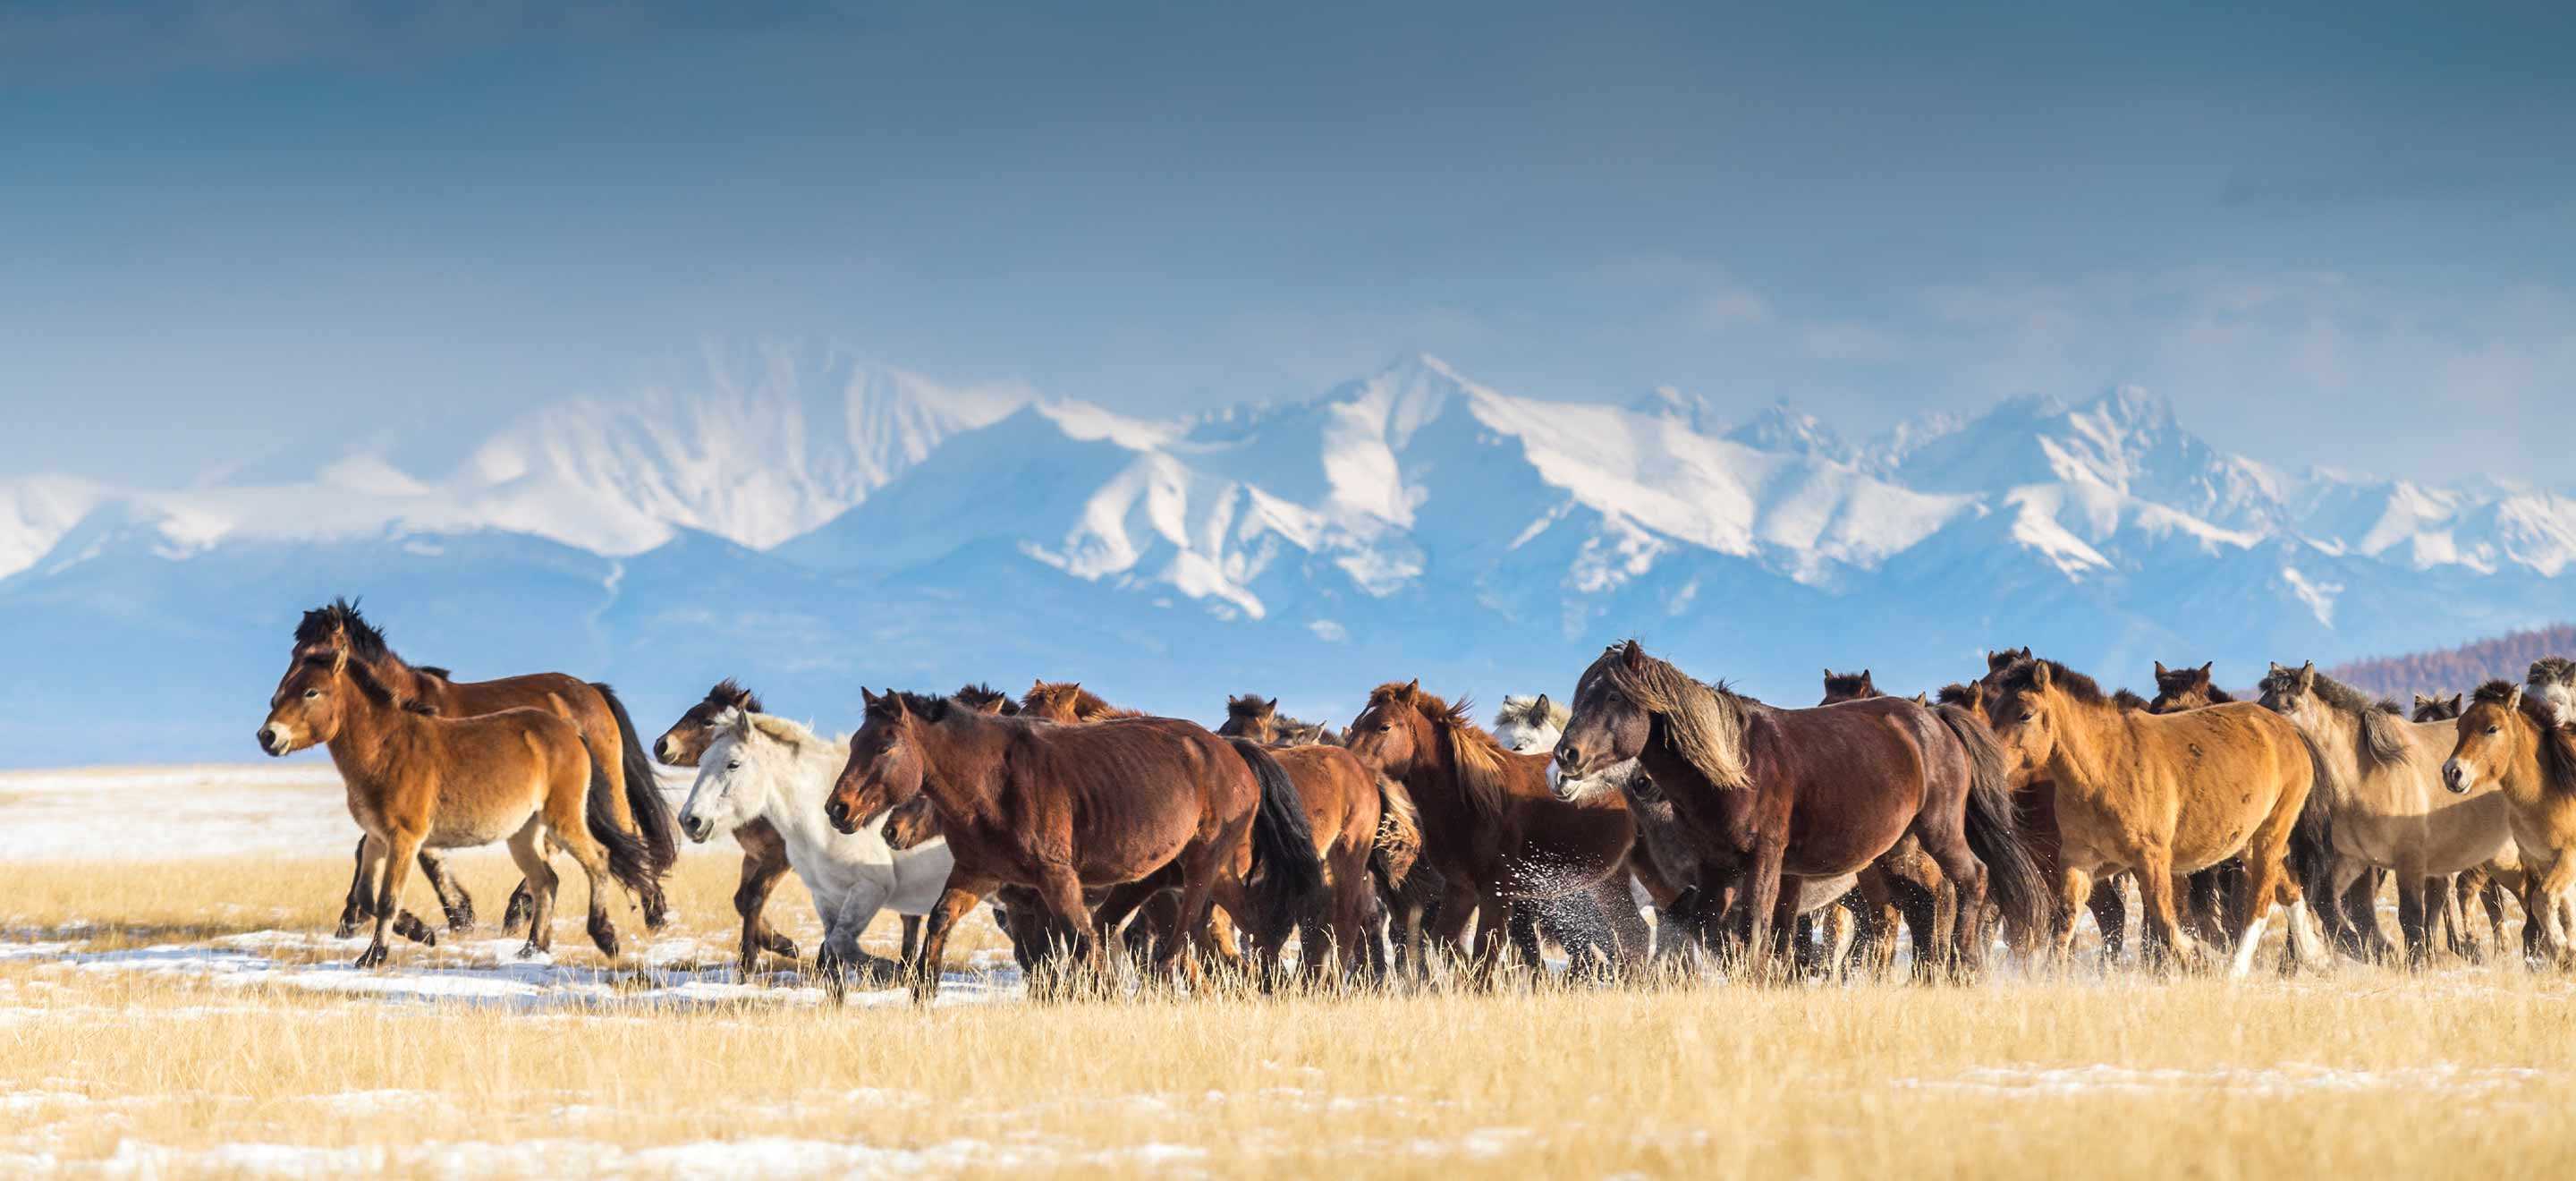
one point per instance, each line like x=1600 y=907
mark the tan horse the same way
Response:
x=2160 y=794
x=2384 y=799
x=633 y=805
x=418 y=781
x=2504 y=738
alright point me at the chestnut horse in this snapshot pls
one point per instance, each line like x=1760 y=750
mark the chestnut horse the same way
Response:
x=1803 y=794
x=635 y=804
x=2159 y=794
x=416 y=780
x=1061 y=808
x=2508 y=738
x=1494 y=829
x=764 y=852
x=1342 y=802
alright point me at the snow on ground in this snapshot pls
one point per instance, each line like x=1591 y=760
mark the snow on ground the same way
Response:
x=158 y=813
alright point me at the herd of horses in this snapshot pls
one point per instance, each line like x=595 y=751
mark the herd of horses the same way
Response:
x=1770 y=841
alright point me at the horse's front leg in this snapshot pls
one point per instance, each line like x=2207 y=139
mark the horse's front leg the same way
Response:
x=1762 y=899
x=963 y=892
x=1493 y=924
x=761 y=869
x=362 y=891
x=393 y=852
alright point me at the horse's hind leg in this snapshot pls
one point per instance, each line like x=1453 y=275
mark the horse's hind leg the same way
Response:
x=392 y=853
x=361 y=895
x=540 y=878
x=452 y=898
x=761 y=870
x=2110 y=907
x=564 y=823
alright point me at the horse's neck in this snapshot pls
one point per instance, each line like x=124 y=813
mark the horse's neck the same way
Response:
x=956 y=756
x=797 y=791
x=372 y=738
x=2097 y=746
x=2340 y=740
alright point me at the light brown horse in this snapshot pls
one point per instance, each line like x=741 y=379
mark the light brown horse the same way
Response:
x=416 y=780
x=2507 y=738
x=634 y=805
x=2384 y=800
x=1061 y=808
x=1493 y=828
x=1068 y=701
x=764 y=852
x=2159 y=794
x=1343 y=806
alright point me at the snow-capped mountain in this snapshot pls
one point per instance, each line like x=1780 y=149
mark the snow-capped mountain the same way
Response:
x=811 y=521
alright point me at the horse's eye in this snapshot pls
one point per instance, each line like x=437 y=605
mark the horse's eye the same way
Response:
x=734 y=765
x=2495 y=729
x=310 y=694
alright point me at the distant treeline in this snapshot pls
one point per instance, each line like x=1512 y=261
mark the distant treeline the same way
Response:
x=2452 y=670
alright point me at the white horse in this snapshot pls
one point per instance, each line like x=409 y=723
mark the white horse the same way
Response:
x=764 y=767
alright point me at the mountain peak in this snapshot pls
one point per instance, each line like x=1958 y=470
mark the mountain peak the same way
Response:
x=1781 y=427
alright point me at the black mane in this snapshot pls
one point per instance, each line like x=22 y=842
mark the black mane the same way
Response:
x=2023 y=676
x=729 y=692
x=366 y=643
x=927 y=707
x=980 y=694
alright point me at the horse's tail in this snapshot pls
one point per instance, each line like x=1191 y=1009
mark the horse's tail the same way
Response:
x=629 y=860
x=643 y=790
x=1399 y=835
x=2312 y=839
x=1283 y=844
x=2013 y=879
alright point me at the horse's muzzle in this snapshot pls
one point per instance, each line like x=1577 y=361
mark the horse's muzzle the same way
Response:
x=271 y=743
x=697 y=828
x=839 y=814
x=2455 y=777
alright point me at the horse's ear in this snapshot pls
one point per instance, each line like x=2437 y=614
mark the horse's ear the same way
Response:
x=1273 y=706
x=2307 y=676
x=868 y=700
x=1542 y=705
x=1634 y=657
x=1413 y=687
x=2205 y=666
x=1864 y=679
x=2455 y=701
x=2515 y=701
x=1829 y=674
x=2160 y=670
x=2041 y=677
x=1923 y=699
x=2421 y=701
x=742 y=723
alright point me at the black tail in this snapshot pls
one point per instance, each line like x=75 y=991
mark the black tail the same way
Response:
x=1283 y=845
x=643 y=790
x=2312 y=840
x=2013 y=879
x=628 y=860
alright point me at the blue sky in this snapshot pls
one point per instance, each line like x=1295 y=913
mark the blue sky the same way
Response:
x=2341 y=234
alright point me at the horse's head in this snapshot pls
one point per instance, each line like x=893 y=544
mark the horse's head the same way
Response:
x=1529 y=725
x=1053 y=701
x=1841 y=687
x=2179 y=689
x=1251 y=716
x=1391 y=733
x=2490 y=734
x=686 y=741
x=886 y=760
x=310 y=703
x=1608 y=724
x=2292 y=693
x=911 y=824
x=2032 y=703
x=735 y=768
x=2436 y=709
x=2552 y=685
x=1999 y=659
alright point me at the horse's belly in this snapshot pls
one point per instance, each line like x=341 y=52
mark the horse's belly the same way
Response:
x=451 y=831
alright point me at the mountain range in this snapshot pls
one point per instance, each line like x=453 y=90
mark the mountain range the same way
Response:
x=811 y=521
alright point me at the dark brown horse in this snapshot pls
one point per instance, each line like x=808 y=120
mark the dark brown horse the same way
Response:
x=635 y=804
x=1811 y=793
x=764 y=853
x=1062 y=808
x=416 y=780
x=1494 y=830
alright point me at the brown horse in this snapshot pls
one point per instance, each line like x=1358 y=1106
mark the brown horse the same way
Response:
x=1494 y=830
x=416 y=780
x=764 y=852
x=2213 y=890
x=1343 y=806
x=2475 y=888
x=1061 y=808
x=2159 y=794
x=1792 y=795
x=1068 y=701
x=635 y=804
x=2508 y=738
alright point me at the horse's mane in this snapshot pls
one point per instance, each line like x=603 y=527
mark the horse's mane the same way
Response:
x=1955 y=694
x=1482 y=766
x=2383 y=743
x=380 y=693
x=1704 y=723
x=2129 y=702
x=1251 y=705
x=1538 y=710
x=2023 y=676
x=2551 y=670
x=433 y=672
x=1858 y=684
x=728 y=693
x=366 y=642
x=984 y=698
x=928 y=707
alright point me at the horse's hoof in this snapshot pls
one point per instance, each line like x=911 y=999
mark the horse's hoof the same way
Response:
x=782 y=947
x=460 y=920
x=604 y=935
x=530 y=950
x=348 y=929
x=373 y=957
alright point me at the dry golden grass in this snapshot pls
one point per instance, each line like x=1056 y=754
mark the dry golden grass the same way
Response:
x=2461 y=1073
